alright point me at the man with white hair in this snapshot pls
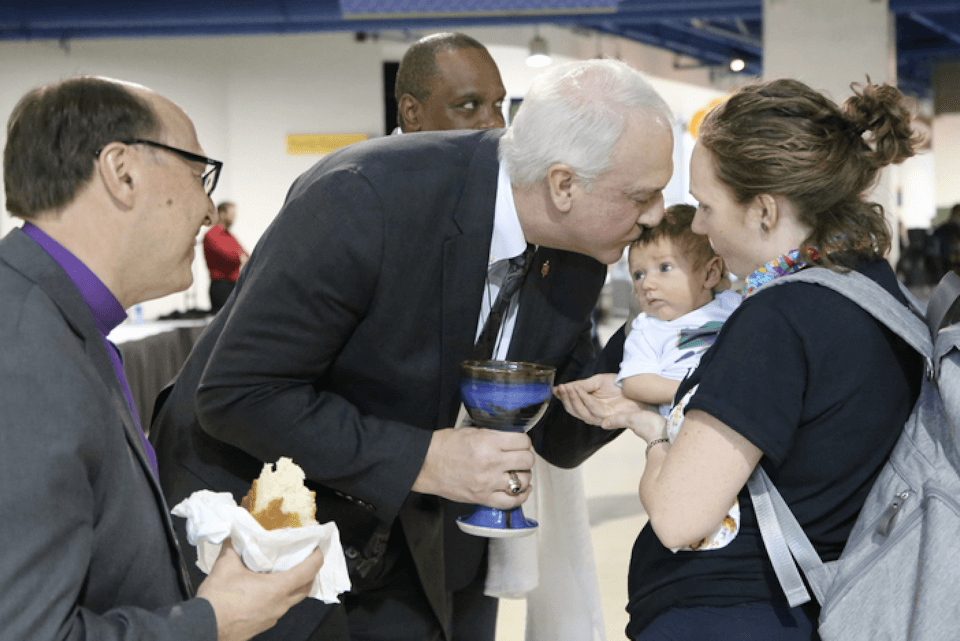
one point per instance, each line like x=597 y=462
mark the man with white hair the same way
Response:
x=343 y=341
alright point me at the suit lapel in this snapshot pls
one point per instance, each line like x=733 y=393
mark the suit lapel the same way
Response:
x=465 y=256
x=562 y=287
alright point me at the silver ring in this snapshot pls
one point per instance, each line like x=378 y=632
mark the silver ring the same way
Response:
x=515 y=486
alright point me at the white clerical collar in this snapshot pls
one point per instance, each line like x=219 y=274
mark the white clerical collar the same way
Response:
x=508 y=240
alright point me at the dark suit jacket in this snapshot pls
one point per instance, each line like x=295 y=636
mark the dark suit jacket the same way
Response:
x=87 y=550
x=341 y=344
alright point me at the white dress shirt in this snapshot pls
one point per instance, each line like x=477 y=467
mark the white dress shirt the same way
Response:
x=507 y=242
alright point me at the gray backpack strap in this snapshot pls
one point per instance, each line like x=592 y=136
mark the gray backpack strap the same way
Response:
x=783 y=537
x=873 y=298
x=941 y=301
x=782 y=534
x=912 y=301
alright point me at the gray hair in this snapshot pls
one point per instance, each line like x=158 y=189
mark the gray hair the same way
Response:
x=575 y=114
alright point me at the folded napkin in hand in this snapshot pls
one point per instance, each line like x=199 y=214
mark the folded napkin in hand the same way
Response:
x=214 y=517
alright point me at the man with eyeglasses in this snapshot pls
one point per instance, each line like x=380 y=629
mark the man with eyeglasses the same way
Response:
x=113 y=187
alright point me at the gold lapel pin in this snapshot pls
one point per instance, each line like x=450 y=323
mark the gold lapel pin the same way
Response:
x=545 y=269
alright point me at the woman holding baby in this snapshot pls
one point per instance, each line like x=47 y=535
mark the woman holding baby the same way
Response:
x=800 y=380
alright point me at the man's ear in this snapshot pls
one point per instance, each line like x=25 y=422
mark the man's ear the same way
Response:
x=713 y=272
x=118 y=171
x=561 y=182
x=409 y=108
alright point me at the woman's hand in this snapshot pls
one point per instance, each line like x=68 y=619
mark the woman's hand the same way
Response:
x=595 y=399
x=646 y=424
x=688 y=488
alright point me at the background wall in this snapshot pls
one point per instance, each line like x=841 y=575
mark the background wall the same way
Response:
x=946 y=132
x=245 y=94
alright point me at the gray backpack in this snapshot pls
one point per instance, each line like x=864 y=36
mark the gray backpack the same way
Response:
x=898 y=577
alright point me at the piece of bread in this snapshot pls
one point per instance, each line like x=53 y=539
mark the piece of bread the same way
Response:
x=279 y=499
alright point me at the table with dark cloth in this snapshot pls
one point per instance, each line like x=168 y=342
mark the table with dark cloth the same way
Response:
x=153 y=353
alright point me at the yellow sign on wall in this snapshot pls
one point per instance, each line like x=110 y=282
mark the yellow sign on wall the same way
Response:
x=301 y=144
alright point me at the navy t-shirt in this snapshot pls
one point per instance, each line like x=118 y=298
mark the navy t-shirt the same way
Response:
x=823 y=390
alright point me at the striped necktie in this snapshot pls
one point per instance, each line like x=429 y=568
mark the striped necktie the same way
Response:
x=511 y=283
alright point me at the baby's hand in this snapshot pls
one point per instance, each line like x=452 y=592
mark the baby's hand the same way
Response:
x=594 y=399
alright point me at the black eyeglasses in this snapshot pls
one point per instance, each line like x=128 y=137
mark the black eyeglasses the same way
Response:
x=210 y=176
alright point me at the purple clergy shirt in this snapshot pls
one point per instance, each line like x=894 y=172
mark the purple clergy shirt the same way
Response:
x=106 y=310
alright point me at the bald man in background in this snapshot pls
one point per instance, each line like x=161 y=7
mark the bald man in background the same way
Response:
x=448 y=81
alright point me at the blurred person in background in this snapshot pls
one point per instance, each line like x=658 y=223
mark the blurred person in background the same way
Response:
x=225 y=256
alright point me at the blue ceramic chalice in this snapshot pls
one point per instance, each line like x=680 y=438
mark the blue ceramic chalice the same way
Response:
x=509 y=396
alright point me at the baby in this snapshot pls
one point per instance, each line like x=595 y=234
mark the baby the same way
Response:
x=675 y=274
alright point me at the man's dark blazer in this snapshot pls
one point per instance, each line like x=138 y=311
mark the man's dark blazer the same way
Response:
x=87 y=549
x=341 y=345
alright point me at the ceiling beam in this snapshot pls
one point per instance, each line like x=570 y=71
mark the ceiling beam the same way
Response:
x=935 y=26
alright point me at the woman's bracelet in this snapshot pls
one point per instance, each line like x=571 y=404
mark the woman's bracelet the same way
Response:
x=656 y=441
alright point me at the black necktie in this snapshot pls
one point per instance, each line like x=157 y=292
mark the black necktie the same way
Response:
x=511 y=283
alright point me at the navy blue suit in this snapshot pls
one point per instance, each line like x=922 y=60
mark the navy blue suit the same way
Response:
x=341 y=345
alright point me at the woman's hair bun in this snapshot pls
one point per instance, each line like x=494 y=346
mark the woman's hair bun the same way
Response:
x=886 y=115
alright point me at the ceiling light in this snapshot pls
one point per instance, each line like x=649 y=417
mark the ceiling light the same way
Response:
x=737 y=65
x=539 y=54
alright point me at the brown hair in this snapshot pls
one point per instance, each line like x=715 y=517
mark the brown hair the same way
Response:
x=675 y=226
x=54 y=133
x=783 y=138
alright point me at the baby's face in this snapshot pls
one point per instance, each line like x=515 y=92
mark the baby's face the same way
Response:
x=665 y=282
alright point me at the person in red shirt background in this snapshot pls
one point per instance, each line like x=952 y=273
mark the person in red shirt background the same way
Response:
x=225 y=256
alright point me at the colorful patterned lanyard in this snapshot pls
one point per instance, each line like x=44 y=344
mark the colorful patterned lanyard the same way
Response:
x=781 y=266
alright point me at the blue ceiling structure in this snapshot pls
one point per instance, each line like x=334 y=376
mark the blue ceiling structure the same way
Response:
x=705 y=32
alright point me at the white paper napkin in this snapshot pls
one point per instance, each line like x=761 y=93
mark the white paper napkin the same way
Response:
x=214 y=517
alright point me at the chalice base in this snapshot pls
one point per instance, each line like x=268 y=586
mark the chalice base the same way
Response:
x=492 y=523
